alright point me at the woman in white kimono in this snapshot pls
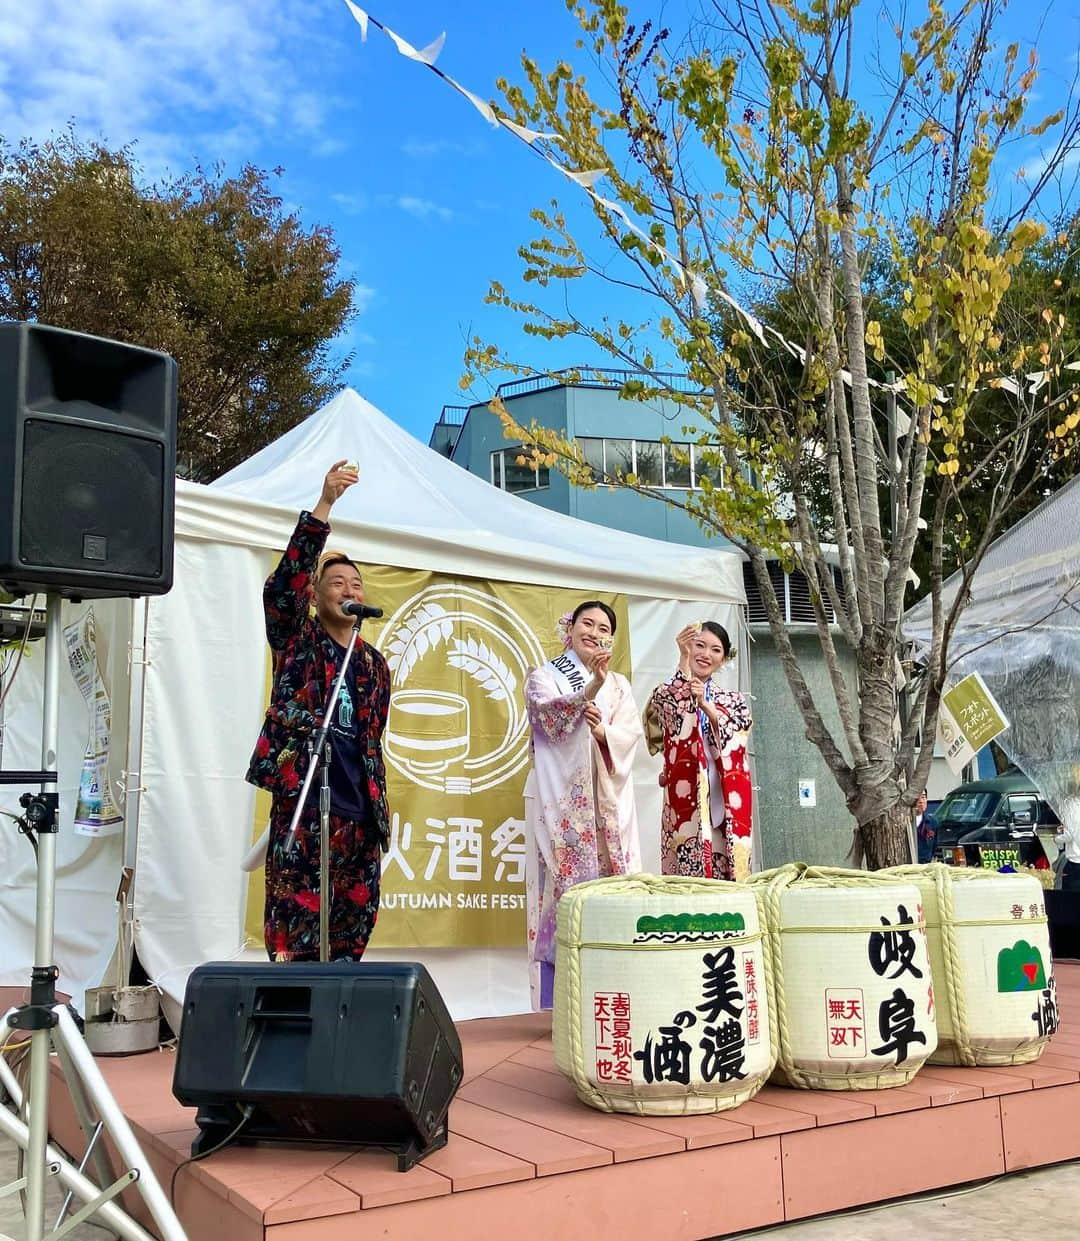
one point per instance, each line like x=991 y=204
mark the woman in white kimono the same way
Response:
x=579 y=797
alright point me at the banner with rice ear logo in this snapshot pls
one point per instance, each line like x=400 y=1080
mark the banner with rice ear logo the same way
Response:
x=456 y=749
x=96 y=813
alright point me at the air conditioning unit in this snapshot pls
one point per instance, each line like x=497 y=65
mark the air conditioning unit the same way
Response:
x=792 y=593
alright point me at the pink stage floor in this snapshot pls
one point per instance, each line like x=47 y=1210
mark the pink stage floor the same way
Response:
x=526 y=1159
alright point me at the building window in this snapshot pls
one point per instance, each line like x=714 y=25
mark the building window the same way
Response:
x=618 y=457
x=709 y=463
x=679 y=466
x=672 y=467
x=649 y=462
x=593 y=452
x=508 y=474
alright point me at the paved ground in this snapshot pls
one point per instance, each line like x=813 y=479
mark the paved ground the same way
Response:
x=11 y=1215
x=1044 y=1205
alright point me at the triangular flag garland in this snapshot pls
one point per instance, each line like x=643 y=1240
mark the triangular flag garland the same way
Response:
x=585 y=178
x=692 y=281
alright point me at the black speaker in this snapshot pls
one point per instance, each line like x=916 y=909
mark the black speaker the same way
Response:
x=88 y=479
x=358 y=1053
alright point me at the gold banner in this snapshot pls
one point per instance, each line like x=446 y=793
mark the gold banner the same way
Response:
x=457 y=751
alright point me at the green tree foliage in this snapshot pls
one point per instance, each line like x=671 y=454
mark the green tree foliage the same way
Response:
x=853 y=169
x=207 y=267
x=1046 y=278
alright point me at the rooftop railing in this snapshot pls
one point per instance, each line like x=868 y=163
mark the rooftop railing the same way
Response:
x=595 y=377
x=452 y=415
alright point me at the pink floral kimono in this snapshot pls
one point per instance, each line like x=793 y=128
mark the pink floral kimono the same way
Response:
x=706 y=823
x=580 y=814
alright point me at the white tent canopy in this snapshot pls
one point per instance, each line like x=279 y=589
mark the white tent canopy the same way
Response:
x=414 y=508
x=196 y=707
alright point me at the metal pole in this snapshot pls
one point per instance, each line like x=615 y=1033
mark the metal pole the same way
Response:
x=43 y=935
x=320 y=740
x=138 y=663
x=324 y=856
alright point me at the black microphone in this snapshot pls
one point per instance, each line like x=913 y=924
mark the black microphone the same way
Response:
x=360 y=610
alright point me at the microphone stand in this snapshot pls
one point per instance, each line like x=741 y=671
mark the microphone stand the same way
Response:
x=319 y=751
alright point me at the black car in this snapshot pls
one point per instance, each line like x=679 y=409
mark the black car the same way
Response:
x=994 y=823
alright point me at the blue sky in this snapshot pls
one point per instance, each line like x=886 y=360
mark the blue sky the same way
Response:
x=428 y=203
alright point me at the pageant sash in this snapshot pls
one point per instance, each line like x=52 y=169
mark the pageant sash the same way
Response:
x=570 y=673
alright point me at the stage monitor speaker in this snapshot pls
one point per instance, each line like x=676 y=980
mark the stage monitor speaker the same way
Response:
x=88 y=480
x=362 y=1053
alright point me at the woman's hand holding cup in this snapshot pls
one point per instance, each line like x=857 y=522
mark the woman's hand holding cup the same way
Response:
x=684 y=640
x=598 y=666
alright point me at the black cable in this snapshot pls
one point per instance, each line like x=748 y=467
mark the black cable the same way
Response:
x=24 y=642
x=248 y=1112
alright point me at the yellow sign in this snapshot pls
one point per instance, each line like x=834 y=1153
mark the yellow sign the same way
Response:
x=456 y=748
x=968 y=719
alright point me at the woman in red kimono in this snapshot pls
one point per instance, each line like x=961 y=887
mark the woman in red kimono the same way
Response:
x=706 y=823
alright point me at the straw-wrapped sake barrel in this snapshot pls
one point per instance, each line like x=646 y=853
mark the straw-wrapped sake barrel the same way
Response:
x=661 y=998
x=990 y=955
x=852 y=987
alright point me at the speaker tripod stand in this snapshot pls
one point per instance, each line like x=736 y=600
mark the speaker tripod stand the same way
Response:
x=50 y=1027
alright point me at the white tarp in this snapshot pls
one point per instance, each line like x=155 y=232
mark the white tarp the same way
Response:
x=1021 y=633
x=1030 y=575
x=204 y=685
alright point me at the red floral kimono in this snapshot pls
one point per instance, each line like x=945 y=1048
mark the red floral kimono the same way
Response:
x=705 y=829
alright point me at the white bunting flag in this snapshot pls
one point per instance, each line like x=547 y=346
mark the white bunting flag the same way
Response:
x=525 y=134
x=485 y=109
x=587 y=178
x=361 y=17
x=426 y=56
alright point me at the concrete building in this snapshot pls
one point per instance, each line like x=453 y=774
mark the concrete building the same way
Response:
x=800 y=812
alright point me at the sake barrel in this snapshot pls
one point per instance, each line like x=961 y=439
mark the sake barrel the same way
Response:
x=990 y=955
x=851 y=975
x=661 y=998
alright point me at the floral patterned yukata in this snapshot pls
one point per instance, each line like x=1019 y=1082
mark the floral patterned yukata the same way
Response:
x=706 y=822
x=306 y=661
x=580 y=813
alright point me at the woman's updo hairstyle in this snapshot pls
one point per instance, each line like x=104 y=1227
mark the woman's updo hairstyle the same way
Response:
x=595 y=603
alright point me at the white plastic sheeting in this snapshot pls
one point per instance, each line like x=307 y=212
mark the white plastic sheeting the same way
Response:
x=204 y=688
x=1021 y=631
